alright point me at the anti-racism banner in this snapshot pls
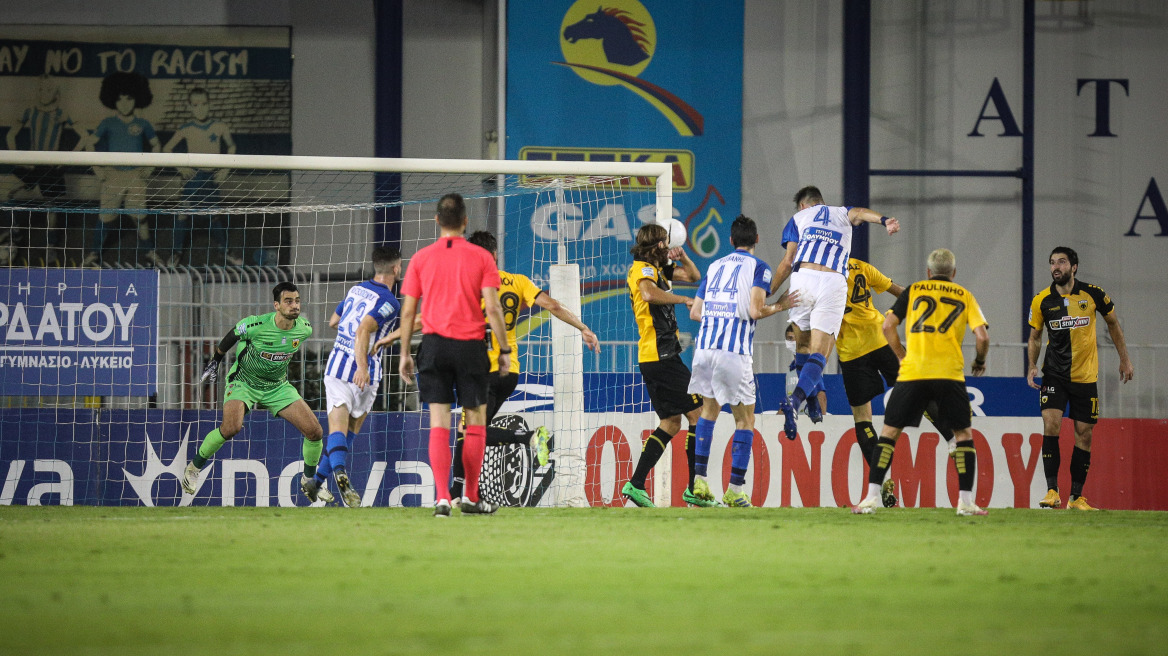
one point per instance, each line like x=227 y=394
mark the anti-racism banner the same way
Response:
x=78 y=332
x=624 y=80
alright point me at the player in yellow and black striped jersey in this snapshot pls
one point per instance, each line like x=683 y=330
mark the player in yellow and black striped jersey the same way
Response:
x=516 y=292
x=659 y=350
x=1071 y=368
x=936 y=313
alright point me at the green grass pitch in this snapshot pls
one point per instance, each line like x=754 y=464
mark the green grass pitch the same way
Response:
x=600 y=581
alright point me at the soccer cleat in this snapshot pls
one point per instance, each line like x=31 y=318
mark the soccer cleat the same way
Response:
x=539 y=444
x=969 y=510
x=345 y=487
x=694 y=500
x=814 y=412
x=442 y=508
x=481 y=507
x=638 y=496
x=791 y=425
x=736 y=499
x=888 y=493
x=866 y=507
x=701 y=490
x=189 y=478
x=311 y=489
x=323 y=494
x=1051 y=500
x=1079 y=503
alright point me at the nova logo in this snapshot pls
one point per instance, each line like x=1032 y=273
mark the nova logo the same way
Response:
x=1067 y=323
x=612 y=45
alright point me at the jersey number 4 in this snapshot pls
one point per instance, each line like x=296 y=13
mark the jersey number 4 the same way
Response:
x=931 y=307
x=822 y=216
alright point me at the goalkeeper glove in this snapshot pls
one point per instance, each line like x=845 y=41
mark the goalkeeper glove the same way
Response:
x=211 y=371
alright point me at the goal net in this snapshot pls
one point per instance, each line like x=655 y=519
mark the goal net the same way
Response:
x=121 y=272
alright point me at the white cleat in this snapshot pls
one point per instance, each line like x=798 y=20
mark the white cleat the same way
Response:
x=969 y=510
x=442 y=508
x=323 y=494
x=868 y=506
x=190 y=479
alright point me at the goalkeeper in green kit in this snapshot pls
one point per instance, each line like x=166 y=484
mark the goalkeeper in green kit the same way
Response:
x=259 y=379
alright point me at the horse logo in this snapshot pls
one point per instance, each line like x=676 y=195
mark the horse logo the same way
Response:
x=622 y=36
x=612 y=46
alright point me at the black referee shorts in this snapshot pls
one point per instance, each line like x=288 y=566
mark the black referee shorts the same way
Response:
x=447 y=365
x=867 y=376
x=910 y=399
x=667 y=382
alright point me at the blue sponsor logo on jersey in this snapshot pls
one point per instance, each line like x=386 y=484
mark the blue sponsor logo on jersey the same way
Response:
x=823 y=234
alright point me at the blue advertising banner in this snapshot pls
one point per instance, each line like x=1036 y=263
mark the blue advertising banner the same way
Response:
x=624 y=80
x=78 y=332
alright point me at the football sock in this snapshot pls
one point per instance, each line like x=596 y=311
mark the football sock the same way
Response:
x=866 y=438
x=499 y=436
x=338 y=450
x=691 y=445
x=650 y=454
x=1080 y=463
x=704 y=435
x=1051 y=460
x=736 y=488
x=873 y=491
x=965 y=459
x=440 y=460
x=458 y=476
x=800 y=360
x=740 y=455
x=881 y=460
x=811 y=376
x=965 y=497
x=474 y=445
x=211 y=443
x=311 y=450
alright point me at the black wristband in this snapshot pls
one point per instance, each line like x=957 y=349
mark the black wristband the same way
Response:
x=883 y=220
x=978 y=362
x=504 y=351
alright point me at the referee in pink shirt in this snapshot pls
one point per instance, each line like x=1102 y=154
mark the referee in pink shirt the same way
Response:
x=456 y=279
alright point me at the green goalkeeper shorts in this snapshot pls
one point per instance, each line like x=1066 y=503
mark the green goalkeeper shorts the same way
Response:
x=273 y=400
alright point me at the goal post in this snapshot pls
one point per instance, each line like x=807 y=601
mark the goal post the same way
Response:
x=567 y=226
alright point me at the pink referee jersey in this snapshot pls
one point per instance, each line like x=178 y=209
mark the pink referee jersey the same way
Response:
x=449 y=276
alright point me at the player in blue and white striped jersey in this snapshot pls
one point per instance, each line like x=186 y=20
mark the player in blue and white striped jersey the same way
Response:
x=818 y=240
x=367 y=315
x=730 y=301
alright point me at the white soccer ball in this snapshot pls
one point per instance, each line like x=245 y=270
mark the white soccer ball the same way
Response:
x=676 y=231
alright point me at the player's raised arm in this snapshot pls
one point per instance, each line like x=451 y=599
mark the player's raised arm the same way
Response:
x=688 y=271
x=858 y=215
x=557 y=310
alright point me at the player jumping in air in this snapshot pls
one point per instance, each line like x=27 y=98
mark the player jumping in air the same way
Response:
x=729 y=303
x=818 y=239
x=259 y=378
x=367 y=315
x=516 y=291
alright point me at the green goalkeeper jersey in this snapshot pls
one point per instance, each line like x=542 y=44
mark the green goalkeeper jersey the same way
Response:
x=264 y=351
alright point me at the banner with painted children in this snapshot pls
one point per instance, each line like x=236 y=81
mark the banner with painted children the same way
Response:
x=139 y=89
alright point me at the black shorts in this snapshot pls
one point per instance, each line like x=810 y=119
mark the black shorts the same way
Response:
x=668 y=384
x=499 y=389
x=869 y=375
x=446 y=365
x=51 y=179
x=1083 y=398
x=910 y=398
